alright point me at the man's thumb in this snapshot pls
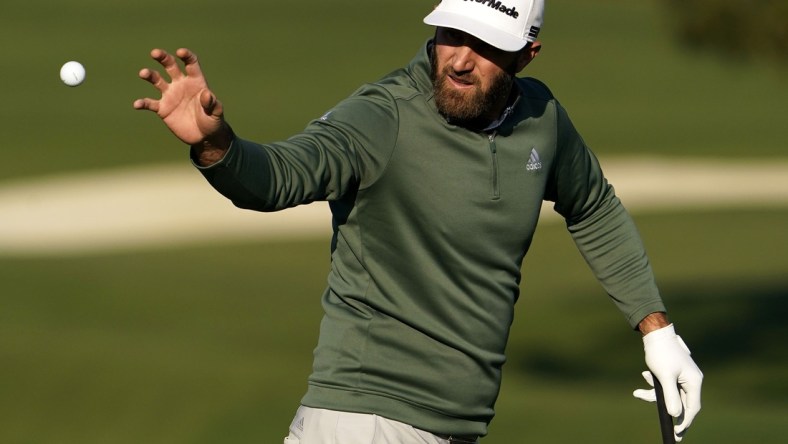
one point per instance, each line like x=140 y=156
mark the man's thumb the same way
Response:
x=210 y=104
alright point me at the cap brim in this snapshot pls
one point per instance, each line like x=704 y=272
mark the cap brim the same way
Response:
x=495 y=37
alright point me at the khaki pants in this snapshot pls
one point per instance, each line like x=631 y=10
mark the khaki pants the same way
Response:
x=319 y=426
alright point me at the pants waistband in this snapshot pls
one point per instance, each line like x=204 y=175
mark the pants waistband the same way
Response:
x=458 y=439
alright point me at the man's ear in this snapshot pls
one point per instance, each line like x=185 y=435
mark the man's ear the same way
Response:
x=528 y=54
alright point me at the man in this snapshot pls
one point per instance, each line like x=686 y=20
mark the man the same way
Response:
x=435 y=176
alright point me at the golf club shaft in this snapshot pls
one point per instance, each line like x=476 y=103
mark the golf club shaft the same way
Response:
x=665 y=420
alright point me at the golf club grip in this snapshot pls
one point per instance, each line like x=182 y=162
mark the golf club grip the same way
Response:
x=665 y=420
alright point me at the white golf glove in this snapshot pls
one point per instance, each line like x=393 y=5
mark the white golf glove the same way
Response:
x=669 y=360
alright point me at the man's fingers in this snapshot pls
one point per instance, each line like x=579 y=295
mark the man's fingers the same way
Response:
x=149 y=104
x=645 y=395
x=155 y=79
x=691 y=396
x=190 y=62
x=168 y=62
x=672 y=399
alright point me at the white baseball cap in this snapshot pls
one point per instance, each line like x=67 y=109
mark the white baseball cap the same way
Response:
x=505 y=24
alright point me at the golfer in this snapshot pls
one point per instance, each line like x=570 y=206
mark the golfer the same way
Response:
x=435 y=176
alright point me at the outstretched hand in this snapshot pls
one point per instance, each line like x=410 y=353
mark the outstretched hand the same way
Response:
x=187 y=106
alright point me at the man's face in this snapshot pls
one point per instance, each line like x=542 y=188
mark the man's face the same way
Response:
x=472 y=80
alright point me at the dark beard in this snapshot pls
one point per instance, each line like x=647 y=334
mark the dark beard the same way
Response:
x=474 y=110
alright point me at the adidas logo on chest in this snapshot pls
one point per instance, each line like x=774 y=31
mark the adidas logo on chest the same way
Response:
x=534 y=163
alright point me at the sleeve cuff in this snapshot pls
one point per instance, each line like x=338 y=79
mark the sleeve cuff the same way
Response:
x=196 y=163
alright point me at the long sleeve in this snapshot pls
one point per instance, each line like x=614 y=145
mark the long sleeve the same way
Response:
x=602 y=229
x=343 y=150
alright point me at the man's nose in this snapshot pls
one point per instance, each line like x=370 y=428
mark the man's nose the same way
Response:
x=464 y=59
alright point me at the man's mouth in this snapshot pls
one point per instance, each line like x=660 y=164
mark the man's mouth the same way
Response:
x=461 y=81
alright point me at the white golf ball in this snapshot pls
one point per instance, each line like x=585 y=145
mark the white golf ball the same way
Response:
x=72 y=73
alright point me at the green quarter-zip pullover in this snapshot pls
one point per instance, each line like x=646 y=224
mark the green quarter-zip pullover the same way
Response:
x=431 y=223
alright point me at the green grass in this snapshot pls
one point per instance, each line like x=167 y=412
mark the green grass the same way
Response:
x=628 y=86
x=213 y=344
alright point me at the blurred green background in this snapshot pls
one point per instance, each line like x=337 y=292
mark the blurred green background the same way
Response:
x=212 y=343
